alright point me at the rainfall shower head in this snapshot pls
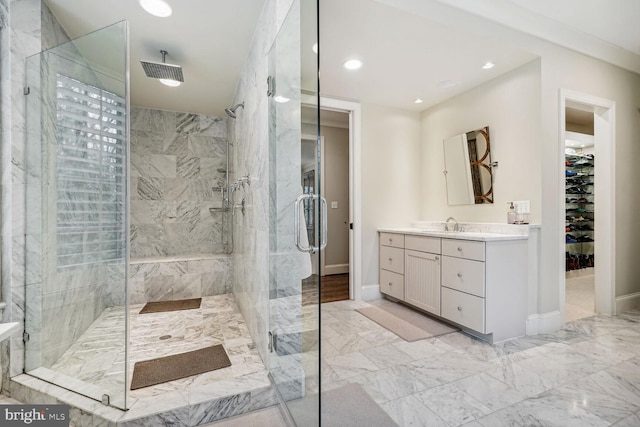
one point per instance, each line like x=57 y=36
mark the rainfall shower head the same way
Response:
x=231 y=112
x=162 y=70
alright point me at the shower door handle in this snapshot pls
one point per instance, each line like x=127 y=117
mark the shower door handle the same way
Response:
x=296 y=223
x=323 y=212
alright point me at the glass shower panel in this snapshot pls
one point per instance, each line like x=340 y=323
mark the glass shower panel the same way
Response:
x=76 y=207
x=294 y=306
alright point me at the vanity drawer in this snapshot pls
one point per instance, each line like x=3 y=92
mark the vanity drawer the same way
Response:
x=463 y=249
x=392 y=284
x=392 y=239
x=464 y=309
x=392 y=259
x=422 y=244
x=463 y=274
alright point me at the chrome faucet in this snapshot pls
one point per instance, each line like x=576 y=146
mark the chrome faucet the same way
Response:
x=456 y=226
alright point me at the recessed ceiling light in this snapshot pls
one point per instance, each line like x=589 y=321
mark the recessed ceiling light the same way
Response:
x=352 y=64
x=418 y=101
x=488 y=65
x=448 y=84
x=315 y=48
x=281 y=99
x=158 y=8
x=170 y=83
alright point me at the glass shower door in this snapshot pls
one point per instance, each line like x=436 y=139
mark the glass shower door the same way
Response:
x=294 y=296
x=77 y=228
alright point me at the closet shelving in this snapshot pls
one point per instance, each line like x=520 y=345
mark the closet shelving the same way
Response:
x=580 y=210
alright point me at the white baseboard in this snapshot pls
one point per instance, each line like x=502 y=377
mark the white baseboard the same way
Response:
x=627 y=302
x=544 y=323
x=328 y=270
x=371 y=292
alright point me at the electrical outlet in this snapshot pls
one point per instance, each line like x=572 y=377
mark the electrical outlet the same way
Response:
x=334 y=205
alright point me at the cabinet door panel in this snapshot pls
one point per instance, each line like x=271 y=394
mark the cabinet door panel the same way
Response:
x=392 y=239
x=463 y=249
x=464 y=275
x=464 y=309
x=422 y=280
x=392 y=259
x=423 y=244
x=392 y=284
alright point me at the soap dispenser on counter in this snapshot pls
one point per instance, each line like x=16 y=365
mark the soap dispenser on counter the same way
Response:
x=511 y=214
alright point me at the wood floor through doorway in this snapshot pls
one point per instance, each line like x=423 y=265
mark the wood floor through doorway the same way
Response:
x=334 y=288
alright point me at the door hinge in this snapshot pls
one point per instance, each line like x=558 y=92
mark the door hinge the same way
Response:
x=26 y=90
x=25 y=337
x=351 y=226
x=271 y=86
x=270 y=342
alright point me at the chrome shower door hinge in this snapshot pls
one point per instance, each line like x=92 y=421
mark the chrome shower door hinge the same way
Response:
x=270 y=344
x=25 y=337
x=271 y=86
x=26 y=90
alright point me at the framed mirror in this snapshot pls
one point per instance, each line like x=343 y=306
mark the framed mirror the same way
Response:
x=468 y=173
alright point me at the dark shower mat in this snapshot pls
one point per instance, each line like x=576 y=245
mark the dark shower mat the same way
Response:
x=160 y=306
x=174 y=367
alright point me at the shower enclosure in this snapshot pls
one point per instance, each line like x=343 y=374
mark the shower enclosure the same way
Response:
x=86 y=234
x=77 y=230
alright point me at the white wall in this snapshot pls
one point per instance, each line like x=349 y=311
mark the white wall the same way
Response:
x=391 y=176
x=510 y=106
x=562 y=68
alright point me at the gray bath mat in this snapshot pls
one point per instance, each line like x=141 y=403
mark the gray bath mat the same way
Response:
x=160 y=306
x=351 y=406
x=408 y=324
x=176 y=366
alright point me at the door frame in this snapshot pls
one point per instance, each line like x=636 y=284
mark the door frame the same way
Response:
x=604 y=195
x=355 y=185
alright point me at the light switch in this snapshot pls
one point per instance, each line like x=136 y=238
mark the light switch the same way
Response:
x=334 y=205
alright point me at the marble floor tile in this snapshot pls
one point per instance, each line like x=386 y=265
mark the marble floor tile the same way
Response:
x=601 y=394
x=585 y=374
x=489 y=391
x=630 y=421
x=409 y=411
x=268 y=417
x=453 y=405
x=99 y=364
x=541 y=413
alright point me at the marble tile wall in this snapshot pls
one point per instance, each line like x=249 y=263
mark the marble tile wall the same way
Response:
x=249 y=135
x=4 y=135
x=176 y=161
x=24 y=39
x=270 y=155
x=61 y=303
x=175 y=278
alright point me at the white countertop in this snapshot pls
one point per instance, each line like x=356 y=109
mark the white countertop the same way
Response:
x=460 y=235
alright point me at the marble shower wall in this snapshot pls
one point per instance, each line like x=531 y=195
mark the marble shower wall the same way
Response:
x=172 y=278
x=260 y=265
x=62 y=301
x=5 y=120
x=177 y=243
x=23 y=37
x=177 y=163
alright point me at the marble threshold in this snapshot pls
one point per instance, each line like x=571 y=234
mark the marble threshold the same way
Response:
x=200 y=399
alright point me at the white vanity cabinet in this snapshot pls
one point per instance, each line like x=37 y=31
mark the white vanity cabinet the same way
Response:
x=480 y=285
